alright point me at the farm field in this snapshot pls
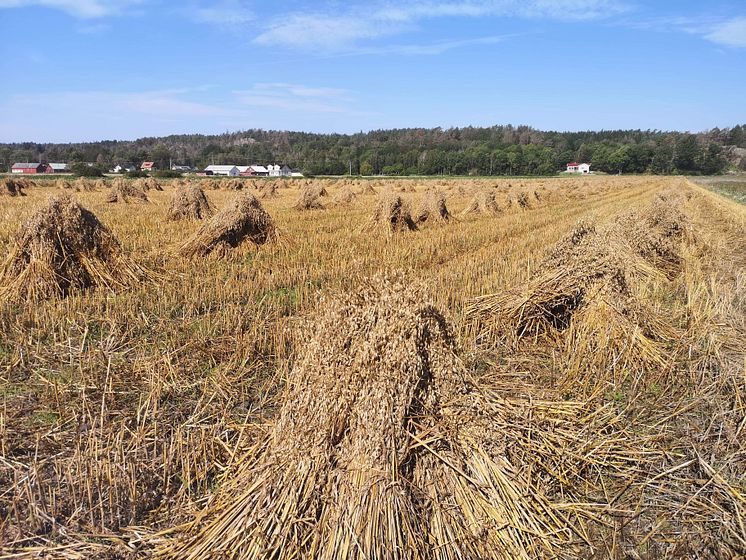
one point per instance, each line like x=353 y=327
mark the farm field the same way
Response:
x=554 y=370
x=732 y=187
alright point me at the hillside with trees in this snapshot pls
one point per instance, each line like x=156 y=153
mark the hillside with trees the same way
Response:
x=497 y=150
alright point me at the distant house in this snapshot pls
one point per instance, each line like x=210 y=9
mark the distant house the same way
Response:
x=278 y=171
x=254 y=171
x=124 y=168
x=27 y=168
x=228 y=170
x=576 y=167
x=148 y=166
x=181 y=168
x=59 y=167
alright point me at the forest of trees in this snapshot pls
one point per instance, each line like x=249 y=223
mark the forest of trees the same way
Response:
x=497 y=150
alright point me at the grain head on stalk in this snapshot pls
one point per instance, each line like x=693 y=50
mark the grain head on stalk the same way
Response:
x=378 y=452
x=242 y=219
x=63 y=247
x=189 y=203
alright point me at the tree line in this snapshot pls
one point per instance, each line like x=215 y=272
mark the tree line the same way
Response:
x=497 y=150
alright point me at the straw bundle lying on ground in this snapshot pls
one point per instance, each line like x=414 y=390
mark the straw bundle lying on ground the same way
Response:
x=483 y=202
x=11 y=187
x=567 y=247
x=123 y=190
x=656 y=232
x=63 y=247
x=309 y=198
x=242 y=219
x=189 y=203
x=392 y=214
x=584 y=298
x=379 y=451
x=433 y=208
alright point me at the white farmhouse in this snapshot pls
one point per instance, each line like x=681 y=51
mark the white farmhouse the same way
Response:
x=279 y=170
x=228 y=170
x=124 y=168
x=576 y=167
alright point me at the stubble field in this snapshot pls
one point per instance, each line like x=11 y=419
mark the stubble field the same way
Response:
x=561 y=375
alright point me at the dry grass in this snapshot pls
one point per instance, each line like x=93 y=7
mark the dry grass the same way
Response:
x=137 y=420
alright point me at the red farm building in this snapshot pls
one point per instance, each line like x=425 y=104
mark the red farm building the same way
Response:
x=26 y=168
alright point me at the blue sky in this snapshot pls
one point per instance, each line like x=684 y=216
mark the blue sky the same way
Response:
x=76 y=70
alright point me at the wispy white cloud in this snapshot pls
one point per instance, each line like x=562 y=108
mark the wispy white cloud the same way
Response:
x=331 y=30
x=435 y=48
x=83 y=9
x=224 y=13
x=291 y=97
x=89 y=115
x=326 y=31
x=731 y=33
x=165 y=103
x=725 y=31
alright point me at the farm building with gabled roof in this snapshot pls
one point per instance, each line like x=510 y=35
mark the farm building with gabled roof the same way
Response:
x=24 y=168
x=575 y=167
x=229 y=170
x=254 y=171
x=59 y=167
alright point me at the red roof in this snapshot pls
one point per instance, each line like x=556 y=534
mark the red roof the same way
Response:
x=573 y=164
x=147 y=164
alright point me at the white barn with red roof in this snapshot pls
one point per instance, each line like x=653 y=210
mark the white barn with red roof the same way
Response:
x=576 y=167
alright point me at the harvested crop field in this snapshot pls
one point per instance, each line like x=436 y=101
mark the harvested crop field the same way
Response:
x=548 y=368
